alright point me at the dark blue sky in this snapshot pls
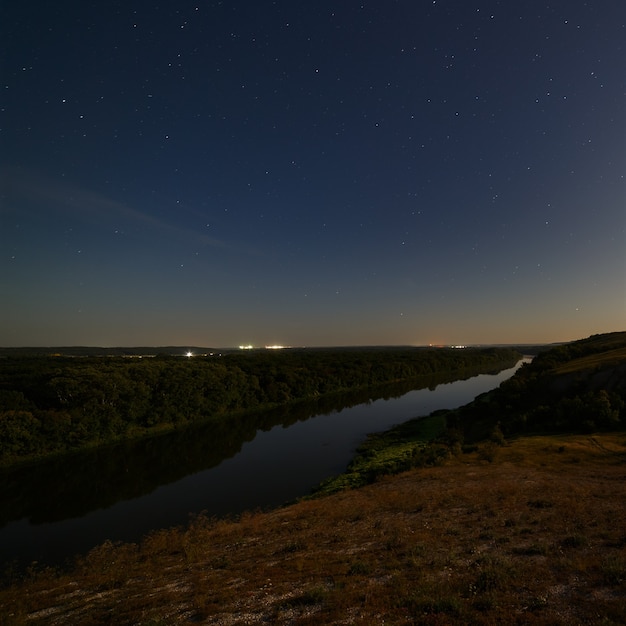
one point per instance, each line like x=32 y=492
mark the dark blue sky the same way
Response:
x=312 y=173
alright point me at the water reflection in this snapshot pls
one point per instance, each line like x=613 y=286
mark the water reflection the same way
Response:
x=121 y=492
x=74 y=485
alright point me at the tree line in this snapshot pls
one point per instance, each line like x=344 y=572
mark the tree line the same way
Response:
x=577 y=387
x=56 y=404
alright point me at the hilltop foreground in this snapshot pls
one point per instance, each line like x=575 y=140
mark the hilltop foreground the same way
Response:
x=536 y=536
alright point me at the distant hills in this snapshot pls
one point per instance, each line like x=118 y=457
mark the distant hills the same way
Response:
x=117 y=351
x=152 y=351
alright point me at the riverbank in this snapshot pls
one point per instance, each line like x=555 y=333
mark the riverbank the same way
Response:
x=53 y=511
x=403 y=447
x=52 y=406
x=535 y=536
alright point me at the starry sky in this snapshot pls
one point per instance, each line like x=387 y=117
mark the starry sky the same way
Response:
x=324 y=173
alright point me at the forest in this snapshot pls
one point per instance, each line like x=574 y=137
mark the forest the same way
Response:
x=577 y=387
x=56 y=404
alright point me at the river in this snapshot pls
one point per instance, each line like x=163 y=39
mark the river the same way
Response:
x=58 y=509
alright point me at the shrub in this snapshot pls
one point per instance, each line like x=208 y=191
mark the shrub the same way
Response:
x=497 y=436
x=613 y=570
x=574 y=541
x=488 y=451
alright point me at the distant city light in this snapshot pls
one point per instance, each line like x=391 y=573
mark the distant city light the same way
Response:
x=275 y=347
x=189 y=354
x=246 y=347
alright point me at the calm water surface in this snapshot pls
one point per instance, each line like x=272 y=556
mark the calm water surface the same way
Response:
x=122 y=494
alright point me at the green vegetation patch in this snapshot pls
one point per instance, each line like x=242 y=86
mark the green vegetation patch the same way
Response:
x=408 y=445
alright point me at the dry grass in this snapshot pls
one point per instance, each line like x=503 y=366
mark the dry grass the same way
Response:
x=536 y=535
x=610 y=358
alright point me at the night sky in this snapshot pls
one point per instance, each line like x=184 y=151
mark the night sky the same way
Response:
x=311 y=173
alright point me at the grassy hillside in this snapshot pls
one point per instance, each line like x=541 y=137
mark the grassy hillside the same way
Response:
x=576 y=387
x=537 y=536
x=601 y=360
